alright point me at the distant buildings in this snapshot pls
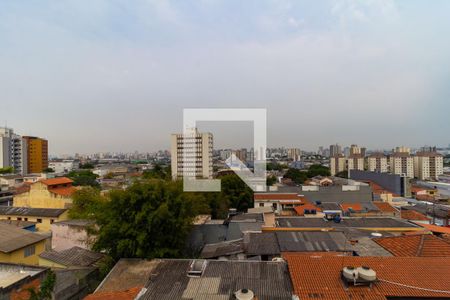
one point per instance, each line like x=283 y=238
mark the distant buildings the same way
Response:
x=428 y=165
x=401 y=162
x=378 y=162
x=192 y=155
x=294 y=154
x=355 y=162
x=337 y=164
x=37 y=152
x=335 y=150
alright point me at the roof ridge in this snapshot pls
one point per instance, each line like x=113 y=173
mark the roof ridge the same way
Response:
x=420 y=248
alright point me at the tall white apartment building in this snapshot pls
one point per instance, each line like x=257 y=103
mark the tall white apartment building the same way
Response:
x=428 y=165
x=13 y=151
x=355 y=150
x=378 y=162
x=192 y=155
x=401 y=162
x=355 y=162
x=337 y=164
x=294 y=154
x=335 y=150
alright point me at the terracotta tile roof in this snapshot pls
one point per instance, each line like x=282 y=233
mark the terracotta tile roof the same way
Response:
x=435 y=228
x=300 y=210
x=117 y=295
x=410 y=214
x=424 y=197
x=319 y=277
x=378 y=189
x=416 y=189
x=63 y=191
x=56 y=181
x=279 y=196
x=425 y=245
x=24 y=188
x=385 y=207
x=354 y=206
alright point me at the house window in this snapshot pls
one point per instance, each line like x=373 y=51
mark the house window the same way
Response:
x=51 y=221
x=26 y=219
x=19 y=219
x=261 y=204
x=39 y=220
x=28 y=251
x=9 y=218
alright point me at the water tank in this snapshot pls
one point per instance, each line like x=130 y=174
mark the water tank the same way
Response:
x=244 y=294
x=350 y=273
x=366 y=274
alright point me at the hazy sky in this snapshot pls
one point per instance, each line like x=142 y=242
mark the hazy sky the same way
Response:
x=115 y=75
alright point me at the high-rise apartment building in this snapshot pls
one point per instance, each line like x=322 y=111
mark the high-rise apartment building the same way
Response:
x=428 y=165
x=13 y=151
x=355 y=150
x=378 y=162
x=401 y=162
x=355 y=162
x=337 y=164
x=192 y=155
x=294 y=154
x=37 y=153
x=335 y=150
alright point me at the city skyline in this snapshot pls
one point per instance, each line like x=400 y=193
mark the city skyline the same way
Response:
x=111 y=76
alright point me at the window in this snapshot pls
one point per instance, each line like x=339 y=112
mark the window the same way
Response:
x=51 y=221
x=261 y=204
x=9 y=218
x=19 y=219
x=39 y=220
x=28 y=251
x=26 y=219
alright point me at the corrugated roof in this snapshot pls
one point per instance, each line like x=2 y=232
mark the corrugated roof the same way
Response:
x=265 y=243
x=74 y=256
x=220 y=280
x=346 y=222
x=425 y=245
x=319 y=277
x=13 y=238
x=225 y=248
x=28 y=211
x=311 y=241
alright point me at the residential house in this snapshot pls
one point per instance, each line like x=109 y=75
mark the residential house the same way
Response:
x=73 y=257
x=48 y=193
x=70 y=233
x=20 y=246
x=43 y=217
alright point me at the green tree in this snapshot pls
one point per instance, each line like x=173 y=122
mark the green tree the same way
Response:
x=158 y=172
x=46 y=288
x=316 y=170
x=86 y=203
x=342 y=174
x=49 y=170
x=271 y=180
x=87 y=166
x=7 y=170
x=296 y=175
x=236 y=193
x=84 y=178
x=147 y=220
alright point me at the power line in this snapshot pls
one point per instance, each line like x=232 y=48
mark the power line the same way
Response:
x=414 y=287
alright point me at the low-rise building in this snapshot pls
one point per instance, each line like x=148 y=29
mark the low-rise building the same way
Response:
x=72 y=257
x=48 y=193
x=17 y=279
x=282 y=203
x=43 y=217
x=71 y=233
x=20 y=246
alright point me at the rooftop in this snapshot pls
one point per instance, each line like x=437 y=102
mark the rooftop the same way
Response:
x=345 y=222
x=225 y=248
x=405 y=277
x=129 y=294
x=74 y=256
x=28 y=211
x=12 y=273
x=424 y=245
x=57 y=181
x=413 y=215
x=128 y=273
x=219 y=280
x=385 y=207
x=13 y=238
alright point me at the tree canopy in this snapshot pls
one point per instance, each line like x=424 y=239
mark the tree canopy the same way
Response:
x=84 y=178
x=315 y=170
x=7 y=170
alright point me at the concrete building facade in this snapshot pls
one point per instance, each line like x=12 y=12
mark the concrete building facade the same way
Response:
x=191 y=155
x=401 y=162
x=428 y=165
x=378 y=162
x=37 y=153
x=337 y=164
